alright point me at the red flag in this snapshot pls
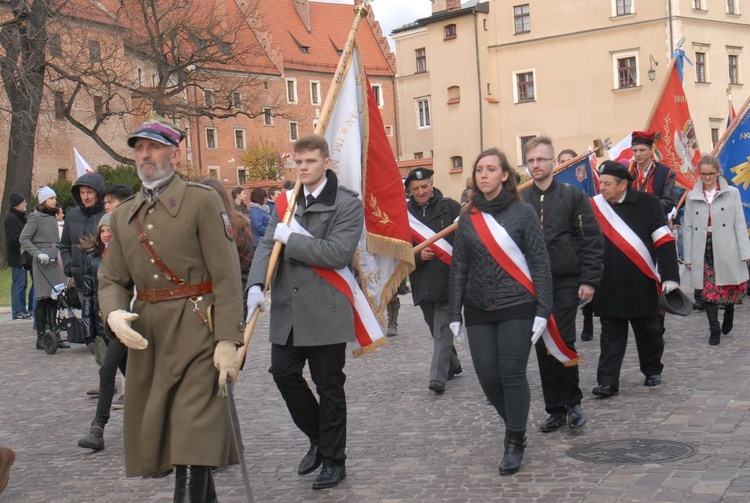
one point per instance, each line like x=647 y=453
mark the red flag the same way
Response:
x=678 y=146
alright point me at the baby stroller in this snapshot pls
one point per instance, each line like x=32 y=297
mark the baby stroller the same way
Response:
x=65 y=320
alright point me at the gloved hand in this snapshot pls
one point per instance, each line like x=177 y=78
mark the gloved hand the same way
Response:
x=255 y=299
x=43 y=258
x=225 y=361
x=282 y=232
x=458 y=333
x=538 y=328
x=670 y=286
x=119 y=321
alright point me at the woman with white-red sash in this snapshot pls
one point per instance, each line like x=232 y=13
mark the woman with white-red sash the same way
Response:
x=716 y=245
x=501 y=277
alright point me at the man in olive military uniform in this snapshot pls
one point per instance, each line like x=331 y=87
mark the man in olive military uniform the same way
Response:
x=173 y=242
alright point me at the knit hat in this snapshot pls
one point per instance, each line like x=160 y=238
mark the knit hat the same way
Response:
x=157 y=128
x=16 y=199
x=44 y=193
x=103 y=221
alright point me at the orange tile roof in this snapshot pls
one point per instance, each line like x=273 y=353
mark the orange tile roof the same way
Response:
x=330 y=25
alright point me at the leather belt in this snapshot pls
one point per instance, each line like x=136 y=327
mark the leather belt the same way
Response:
x=176 y=292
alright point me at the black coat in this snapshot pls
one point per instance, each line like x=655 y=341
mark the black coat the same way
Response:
x=625 y=292
x=429 y=280
x=573 y=238
x=91 y=318
x=14 y=222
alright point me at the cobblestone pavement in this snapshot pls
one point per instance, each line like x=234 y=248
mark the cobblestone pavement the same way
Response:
x=405 y=443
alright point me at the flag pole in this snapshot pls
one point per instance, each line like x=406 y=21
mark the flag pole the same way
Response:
x=360 y=12
x=451 y=228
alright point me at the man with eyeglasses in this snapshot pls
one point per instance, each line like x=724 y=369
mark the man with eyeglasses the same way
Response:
x=575 y=246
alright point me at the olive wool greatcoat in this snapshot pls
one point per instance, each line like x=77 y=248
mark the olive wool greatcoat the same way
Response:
x=173 y=415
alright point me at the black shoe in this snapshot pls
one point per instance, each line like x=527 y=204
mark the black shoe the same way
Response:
x=515 y=444
x=576 y=419
x=22 y=316
x=330 y=476
x=553 y=423
x=652 y=380
x=728 y=322
x=587 y=334
x=311 y=461
x=437 y=387
x=454 y=373
x=604 y=391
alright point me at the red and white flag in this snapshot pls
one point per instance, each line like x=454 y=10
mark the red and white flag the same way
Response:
x=363 y=161
x=82 y=167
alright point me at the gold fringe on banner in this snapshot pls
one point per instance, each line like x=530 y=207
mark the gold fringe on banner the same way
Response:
x=369 y=349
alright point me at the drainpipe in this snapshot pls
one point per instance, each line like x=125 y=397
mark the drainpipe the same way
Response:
x=479 y=82
x=671 y=35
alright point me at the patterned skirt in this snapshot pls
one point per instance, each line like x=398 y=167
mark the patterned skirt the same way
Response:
x=713 y=293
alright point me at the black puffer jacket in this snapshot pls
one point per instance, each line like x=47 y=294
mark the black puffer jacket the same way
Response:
x=91 y=318
x=429 y=280
x=478 y=281
x=80 y=223
x=14 y=222
x=574 y=241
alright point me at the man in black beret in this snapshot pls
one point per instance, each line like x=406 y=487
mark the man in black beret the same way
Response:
x=429 y=213
x=14 y=222
x=640 y=259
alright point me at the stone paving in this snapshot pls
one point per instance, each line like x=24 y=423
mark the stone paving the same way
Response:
x=405 y=443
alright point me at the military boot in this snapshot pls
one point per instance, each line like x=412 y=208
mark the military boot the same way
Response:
x=95 y=439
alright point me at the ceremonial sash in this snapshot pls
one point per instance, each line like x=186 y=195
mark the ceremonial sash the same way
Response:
x=366 y=327
x=420 y=233
x=627 y=241
x=509 y=256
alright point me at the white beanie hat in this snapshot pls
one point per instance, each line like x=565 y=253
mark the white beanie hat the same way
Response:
x=44 y=193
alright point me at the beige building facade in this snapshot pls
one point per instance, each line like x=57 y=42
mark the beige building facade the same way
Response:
x=497 y=73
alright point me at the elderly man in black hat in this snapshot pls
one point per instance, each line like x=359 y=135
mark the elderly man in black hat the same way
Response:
x=429 y=213
x=640 y=259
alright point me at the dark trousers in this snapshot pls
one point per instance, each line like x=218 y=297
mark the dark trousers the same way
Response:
x=444 y=355
x=116 y=357
x=614 y=341
x=500 y=352
x=324 y=422
x=19 y=282
x=560 y=385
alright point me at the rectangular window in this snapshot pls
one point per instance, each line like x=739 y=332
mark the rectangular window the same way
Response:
x=450 y=31
x=239 y=139
x=525 y=87
x=714 y=137
x=267 y=116
x=457 y=162
x=211 y=140
x=209 y=98
x=55 y=46
x=140 y=77
x=731 y=6
x=698 y=4
x=522 y=18
x=95 y=54
x=315 y=92
x=293 y=135
x=291 y=90
x=627 y=72
x=522 y=141
x=421 y=60
x=734 y=69
x=423 y=113
x=418 y=155
x=59 y=105
x=624 y=7
x=62 y=174
x=388 y=130
x=700 y=67
x=237 y=100
x=241 y=176
x=377 y=90
x=213 y=172
x=98 y=107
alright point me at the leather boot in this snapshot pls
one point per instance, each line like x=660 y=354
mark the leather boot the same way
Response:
x=52 y=323
x=95 y=439
x=393 y=307
x=712 y=313
x=193 y=484
x=698 y=304
x=728 y=323
x=515 y=444
x=40 y=315
x=587 y=333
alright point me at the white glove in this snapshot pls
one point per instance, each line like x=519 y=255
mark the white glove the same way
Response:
x=255 y=299
x=458 y=332
x=282 y=232
x=669 y=286
x=225 y=361
x=43 y=258
x=538 y=328
x=119 y=321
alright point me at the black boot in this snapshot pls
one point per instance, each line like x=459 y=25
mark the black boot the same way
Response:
x=712 y=313
x=515 y=443
x=587 y=333
x=52 y=323
x=698 y=305
x=40 y=315
x=193 y=484
x=728 y=322
x=95 y=439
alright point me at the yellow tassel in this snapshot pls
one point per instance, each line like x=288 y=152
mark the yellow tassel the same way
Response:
x=370 y=348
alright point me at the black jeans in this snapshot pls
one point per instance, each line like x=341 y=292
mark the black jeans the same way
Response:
x=324 y=421
x=500 y=352
x=649 y=342
x=116 y=357
x=560 y=384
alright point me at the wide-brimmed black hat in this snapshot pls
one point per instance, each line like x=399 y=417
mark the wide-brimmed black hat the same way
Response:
x=676 y=302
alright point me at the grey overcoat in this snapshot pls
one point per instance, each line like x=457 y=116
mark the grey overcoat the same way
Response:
x=41 y=235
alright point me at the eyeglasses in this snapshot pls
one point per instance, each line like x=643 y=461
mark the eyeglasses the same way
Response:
x=538 y=160
x=708 y=175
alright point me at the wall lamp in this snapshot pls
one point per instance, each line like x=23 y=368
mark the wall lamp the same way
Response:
x=651 y=72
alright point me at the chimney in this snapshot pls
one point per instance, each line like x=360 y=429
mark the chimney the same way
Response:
x=452 y=5
x=303 y=11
